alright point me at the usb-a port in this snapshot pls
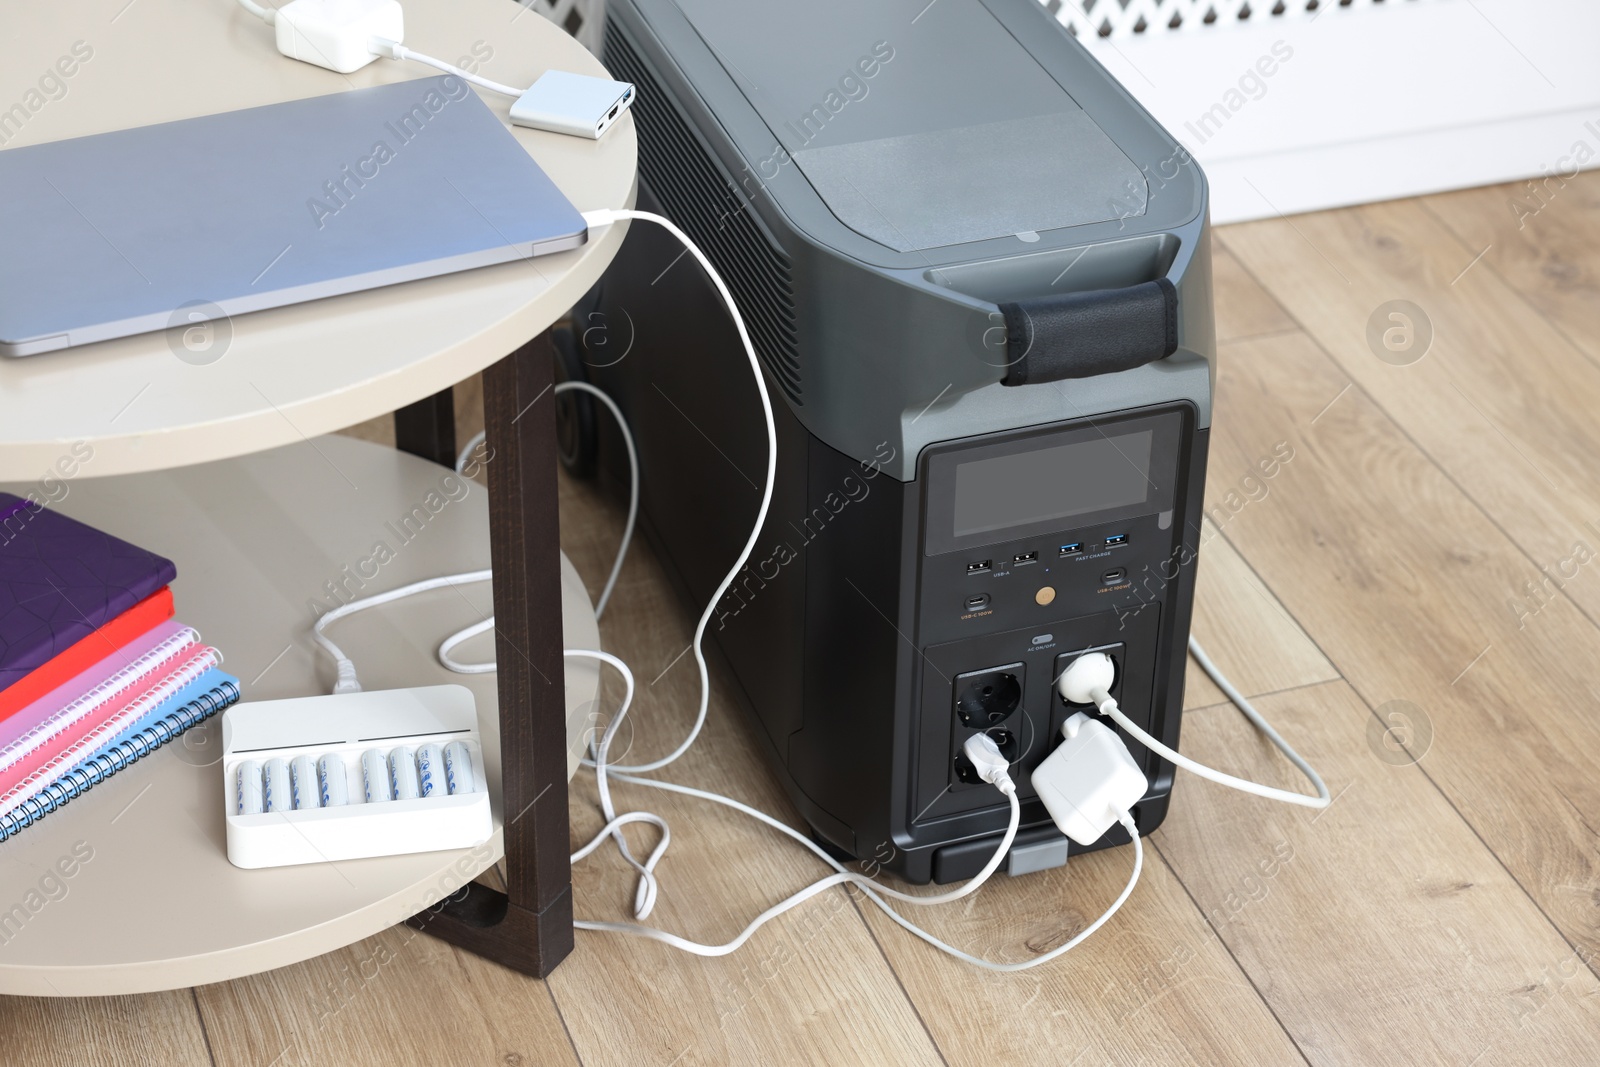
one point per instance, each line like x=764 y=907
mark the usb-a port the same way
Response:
x=979 y=566
x=1025 y=557
x=1116 y=540
x=1072 y=548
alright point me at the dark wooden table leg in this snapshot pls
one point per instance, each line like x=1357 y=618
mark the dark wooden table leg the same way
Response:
x=529 y=927
x=428 y=428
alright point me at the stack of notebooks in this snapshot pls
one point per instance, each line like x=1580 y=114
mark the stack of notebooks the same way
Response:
x=94 y=672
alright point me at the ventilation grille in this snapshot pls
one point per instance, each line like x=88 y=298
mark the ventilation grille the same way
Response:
x=698 y=195
x=1125 y=18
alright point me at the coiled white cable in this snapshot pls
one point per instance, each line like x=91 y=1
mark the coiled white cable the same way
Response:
x=645 y=895
x=874 y=891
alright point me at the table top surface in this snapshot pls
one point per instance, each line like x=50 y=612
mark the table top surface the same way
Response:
x=290 y=373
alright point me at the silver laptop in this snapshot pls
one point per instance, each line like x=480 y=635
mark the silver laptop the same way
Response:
x=131 y=231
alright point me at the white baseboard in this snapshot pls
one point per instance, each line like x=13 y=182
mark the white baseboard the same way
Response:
x=1373 y=102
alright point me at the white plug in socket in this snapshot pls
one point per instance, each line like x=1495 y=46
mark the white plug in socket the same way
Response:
x=1089 y=780
x=988 y=761
x=336 y=33
x=1090 y=673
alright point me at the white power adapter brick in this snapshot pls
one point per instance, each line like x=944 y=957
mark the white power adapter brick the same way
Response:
x=336 y=33
x=1089 y=780
x=576 y=104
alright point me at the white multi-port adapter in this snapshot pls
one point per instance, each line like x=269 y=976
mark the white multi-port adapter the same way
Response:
x=575 y=104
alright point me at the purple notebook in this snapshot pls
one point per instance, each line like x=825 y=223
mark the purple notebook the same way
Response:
x=59 y=580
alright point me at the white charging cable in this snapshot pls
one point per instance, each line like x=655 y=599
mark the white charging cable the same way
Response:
x=607 y=218
x=388 y=49
x=645 y=895
x=627 y=527
x=873 y=889
x=346 y=670
x=1089 y=678
x=265 y=14
x=979 y=748
x=347 y=681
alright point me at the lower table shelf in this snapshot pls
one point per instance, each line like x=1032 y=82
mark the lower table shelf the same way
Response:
x=262 y=543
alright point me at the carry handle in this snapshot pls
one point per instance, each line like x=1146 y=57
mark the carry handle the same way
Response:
x=1079 y=335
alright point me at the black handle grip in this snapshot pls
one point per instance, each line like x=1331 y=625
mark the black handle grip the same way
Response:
x=1079 y=335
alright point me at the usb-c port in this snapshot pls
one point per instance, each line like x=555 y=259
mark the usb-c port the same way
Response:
x=978 y=602
x=1116 y=540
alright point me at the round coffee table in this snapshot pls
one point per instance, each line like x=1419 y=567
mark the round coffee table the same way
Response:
x=219 y=464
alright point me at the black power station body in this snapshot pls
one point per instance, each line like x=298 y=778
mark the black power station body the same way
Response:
x=977 y=274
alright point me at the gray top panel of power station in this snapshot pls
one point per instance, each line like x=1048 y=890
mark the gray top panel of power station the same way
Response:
x=904 y=118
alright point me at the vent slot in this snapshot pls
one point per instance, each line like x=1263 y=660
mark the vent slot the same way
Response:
x=701 y=198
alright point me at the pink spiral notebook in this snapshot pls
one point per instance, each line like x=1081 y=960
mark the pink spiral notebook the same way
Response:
x=94 y=688
x=65 y=748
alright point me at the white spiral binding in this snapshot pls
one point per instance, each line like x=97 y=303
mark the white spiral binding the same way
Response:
x=83 y=778
x=98 y=697
x=192 y=669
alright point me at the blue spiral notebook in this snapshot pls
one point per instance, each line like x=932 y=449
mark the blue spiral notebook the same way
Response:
x=196 y=706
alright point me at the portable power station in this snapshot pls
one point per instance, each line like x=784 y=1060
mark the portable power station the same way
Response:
x=977 y=274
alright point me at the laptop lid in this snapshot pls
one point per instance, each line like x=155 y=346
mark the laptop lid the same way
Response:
x=160 y=226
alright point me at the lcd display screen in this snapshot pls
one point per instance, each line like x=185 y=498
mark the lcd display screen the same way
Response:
x=1052 y=483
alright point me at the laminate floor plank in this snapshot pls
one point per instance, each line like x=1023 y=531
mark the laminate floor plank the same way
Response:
x=1244 y=308
x=159 y=1028
x=1408 y=607
x=1245 y=631
x=396 y=999
x=1543 y=238
x=1154 y=985
x=1380 y=930
x=1261 y=651
x=1499 y=399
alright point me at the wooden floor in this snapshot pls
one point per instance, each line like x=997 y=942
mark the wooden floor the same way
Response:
x=1415 y=596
